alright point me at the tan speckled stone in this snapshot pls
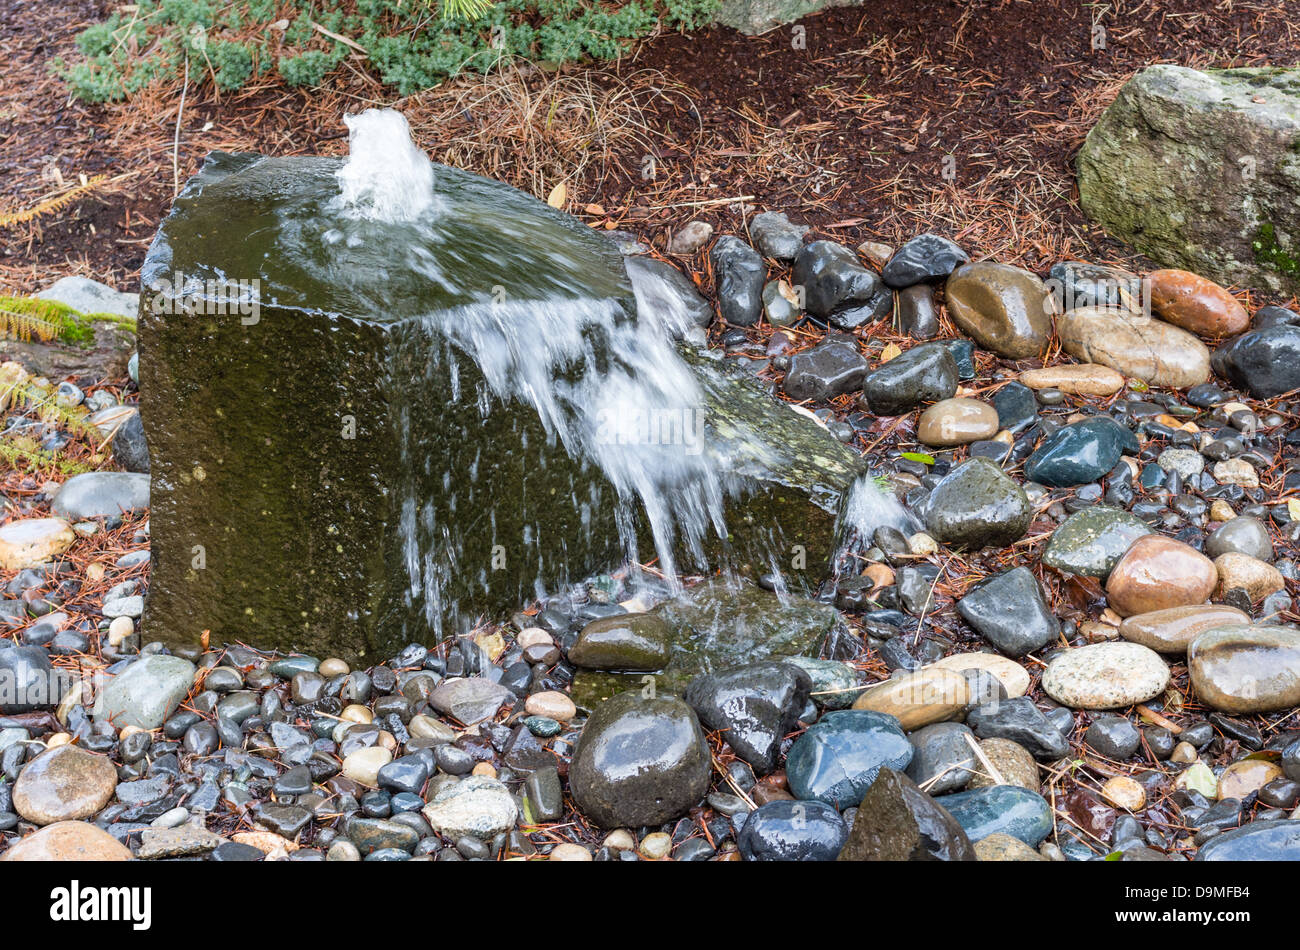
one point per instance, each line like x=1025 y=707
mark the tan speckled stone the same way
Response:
x=1105 y=676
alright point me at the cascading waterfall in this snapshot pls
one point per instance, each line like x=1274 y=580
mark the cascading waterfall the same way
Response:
x=609 y=385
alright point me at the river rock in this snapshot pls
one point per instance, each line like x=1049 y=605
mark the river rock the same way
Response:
x=1173 y=629
x=923 y=259
x=1008 y=610
x=1003 y=847
x=1091 y=541
x=1080 y=453
x=1005 y=809
x=956 y=422
x=1081 y=284
x=477 y=806
x=929 y=695
x=977 y=505
x=1157 y=572
x=1086 y=379
x=639 y=761
x=1113 y=736
x=1246 y=777
x=1014 y=765
x=1196 y=170
x=146 y=693
x=775 y=236
x=1013 y=677
x=835 y=685
x=631 y=642
x=28 y=542
x=1246 y=668
x=1240 y=535
x=739 y=273
x=792 y=831
x=1258 y=841
x=896 y=821
x=838 y=288
x=469 y=700
x=1257 y=578
x=832 y=367
x=917 y=316
x=1198 y=305
x=1023 y=723
x=925 y=373
x=1138 y=346
x=64 y=783
x=943 y=760
x=1003 y=308
x=753 y=706
x=1105 y=676
x=68 y=841
x=101 y=495
x=1264 y=362
x=838 y=757
x=28 y=681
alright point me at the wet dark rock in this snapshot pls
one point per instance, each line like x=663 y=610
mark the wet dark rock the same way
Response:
x=1009 y=611
x=792 y=831
x=1016 y=405
x=925 y=373
x=639 y=761
x=838 y=757
x=753 y=706
x=1277 y=840
x=837 y=287
x=944 y=760
x=739 y=272
x=1264 y=362
x=1008 y=809
x=1020 y=721
x=977 y=505
x=896 y=821
x=1079 y=453
x=828 y=369
x=923 y=259
x=1113 y=736
x=917 y=316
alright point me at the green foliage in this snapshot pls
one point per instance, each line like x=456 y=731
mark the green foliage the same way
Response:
x=410 y=44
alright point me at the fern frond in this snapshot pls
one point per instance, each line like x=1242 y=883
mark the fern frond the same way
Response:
x=51 y=205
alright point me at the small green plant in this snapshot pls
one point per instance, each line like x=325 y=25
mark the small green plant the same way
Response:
x=410 y=44
x=26 y=318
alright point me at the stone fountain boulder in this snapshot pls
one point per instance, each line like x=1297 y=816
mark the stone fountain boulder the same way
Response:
x=330 y=472
x=1201 y=170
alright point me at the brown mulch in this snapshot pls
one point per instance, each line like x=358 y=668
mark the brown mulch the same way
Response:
x=960 y=116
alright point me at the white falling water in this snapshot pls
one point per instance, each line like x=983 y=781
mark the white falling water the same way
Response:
x=611 y=388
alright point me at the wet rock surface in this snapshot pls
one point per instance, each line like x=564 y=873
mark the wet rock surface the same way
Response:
x=1089 y=597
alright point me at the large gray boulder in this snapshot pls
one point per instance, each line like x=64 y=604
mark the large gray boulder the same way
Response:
x=1201 y=170
x=759 y=16
x=335 y=474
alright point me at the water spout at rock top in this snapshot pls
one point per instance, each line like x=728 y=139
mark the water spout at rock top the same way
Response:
x=387 y=178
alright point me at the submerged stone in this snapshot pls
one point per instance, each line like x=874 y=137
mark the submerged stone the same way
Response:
x=353 y=455
x=716 y=625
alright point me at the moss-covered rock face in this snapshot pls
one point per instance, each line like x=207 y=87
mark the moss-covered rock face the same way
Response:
x=333 y=472
x=1201 y=170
